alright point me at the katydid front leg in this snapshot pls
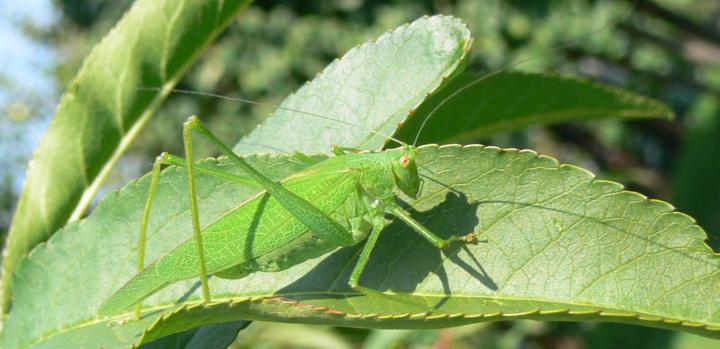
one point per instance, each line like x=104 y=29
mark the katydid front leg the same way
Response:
x=392 y=208
x=142 y=240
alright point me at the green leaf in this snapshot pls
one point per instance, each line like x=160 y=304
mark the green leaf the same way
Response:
x=103 y=111
x=697 y=163
x=371 y=89
x=471 y=107
x=557 y=244
x=277 y=335
x=217 y=336
x=58 y=307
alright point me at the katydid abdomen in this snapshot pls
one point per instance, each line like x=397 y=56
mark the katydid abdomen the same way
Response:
x=258 y=235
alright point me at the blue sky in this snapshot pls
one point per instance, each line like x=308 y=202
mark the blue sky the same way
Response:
x=25 y=77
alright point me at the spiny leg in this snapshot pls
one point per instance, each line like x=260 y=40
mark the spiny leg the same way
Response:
x=193 y=123
x=378 y=225
x=393 y=208
x=320 y=224
x=187 y=139
x=338 y=150
x=178 y=161
x=305 y=159
x=142 y=240
x=170 y=159
x=397 y=211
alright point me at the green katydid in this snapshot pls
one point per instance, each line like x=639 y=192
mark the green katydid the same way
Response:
x=352 y=192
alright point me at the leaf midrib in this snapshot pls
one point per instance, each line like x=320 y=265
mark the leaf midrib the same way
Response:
x=614 y=311
x=548 y=117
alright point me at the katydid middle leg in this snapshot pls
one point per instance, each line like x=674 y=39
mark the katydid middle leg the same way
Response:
x=392 y=208
x=142 y=239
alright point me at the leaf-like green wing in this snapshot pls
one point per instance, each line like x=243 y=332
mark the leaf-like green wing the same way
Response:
x=372 y=88
x=104 y=109
x=556 y=244
x=480 y=107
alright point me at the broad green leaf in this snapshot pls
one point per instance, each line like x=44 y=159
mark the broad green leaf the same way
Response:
x=473 y=106
x=557 y=244
x=217 y=336
x=691 y=341
x=612 y=335
x=71 y=319
x=273 y=335
x=371 y=89
x=104 y=109
x=696 y=173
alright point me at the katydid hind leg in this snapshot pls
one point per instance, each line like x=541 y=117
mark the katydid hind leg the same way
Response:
x=338 y=150
x=171 y=159
x=197 y=230
x=305 y=159
x=174 y=160
x=319 y=223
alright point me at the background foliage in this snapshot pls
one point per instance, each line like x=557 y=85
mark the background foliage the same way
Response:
x=664 y=49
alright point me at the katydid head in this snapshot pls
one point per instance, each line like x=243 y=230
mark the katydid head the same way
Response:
x=405 y=172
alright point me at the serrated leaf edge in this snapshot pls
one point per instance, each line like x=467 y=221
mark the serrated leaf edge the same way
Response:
x=126 y=140
x=455 y=148
x=657 y=109
x=445 y=78
x=535 y=313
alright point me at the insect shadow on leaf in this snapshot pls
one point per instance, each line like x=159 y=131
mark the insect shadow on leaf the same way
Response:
x=402 y=260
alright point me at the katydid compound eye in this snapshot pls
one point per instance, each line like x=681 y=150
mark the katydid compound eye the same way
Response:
x=404 y=161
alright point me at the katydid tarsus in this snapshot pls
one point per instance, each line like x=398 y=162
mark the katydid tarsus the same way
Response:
x=340 y=201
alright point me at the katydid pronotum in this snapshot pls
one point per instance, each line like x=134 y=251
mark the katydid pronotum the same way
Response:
x=295 y=213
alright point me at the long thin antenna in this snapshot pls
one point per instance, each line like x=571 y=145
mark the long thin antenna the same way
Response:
x=249 y=101
x=625 y=12
x=629 y=9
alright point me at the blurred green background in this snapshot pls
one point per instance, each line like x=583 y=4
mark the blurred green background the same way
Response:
x=665 y=49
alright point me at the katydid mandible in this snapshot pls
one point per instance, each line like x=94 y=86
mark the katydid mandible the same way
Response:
x=352 y=192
